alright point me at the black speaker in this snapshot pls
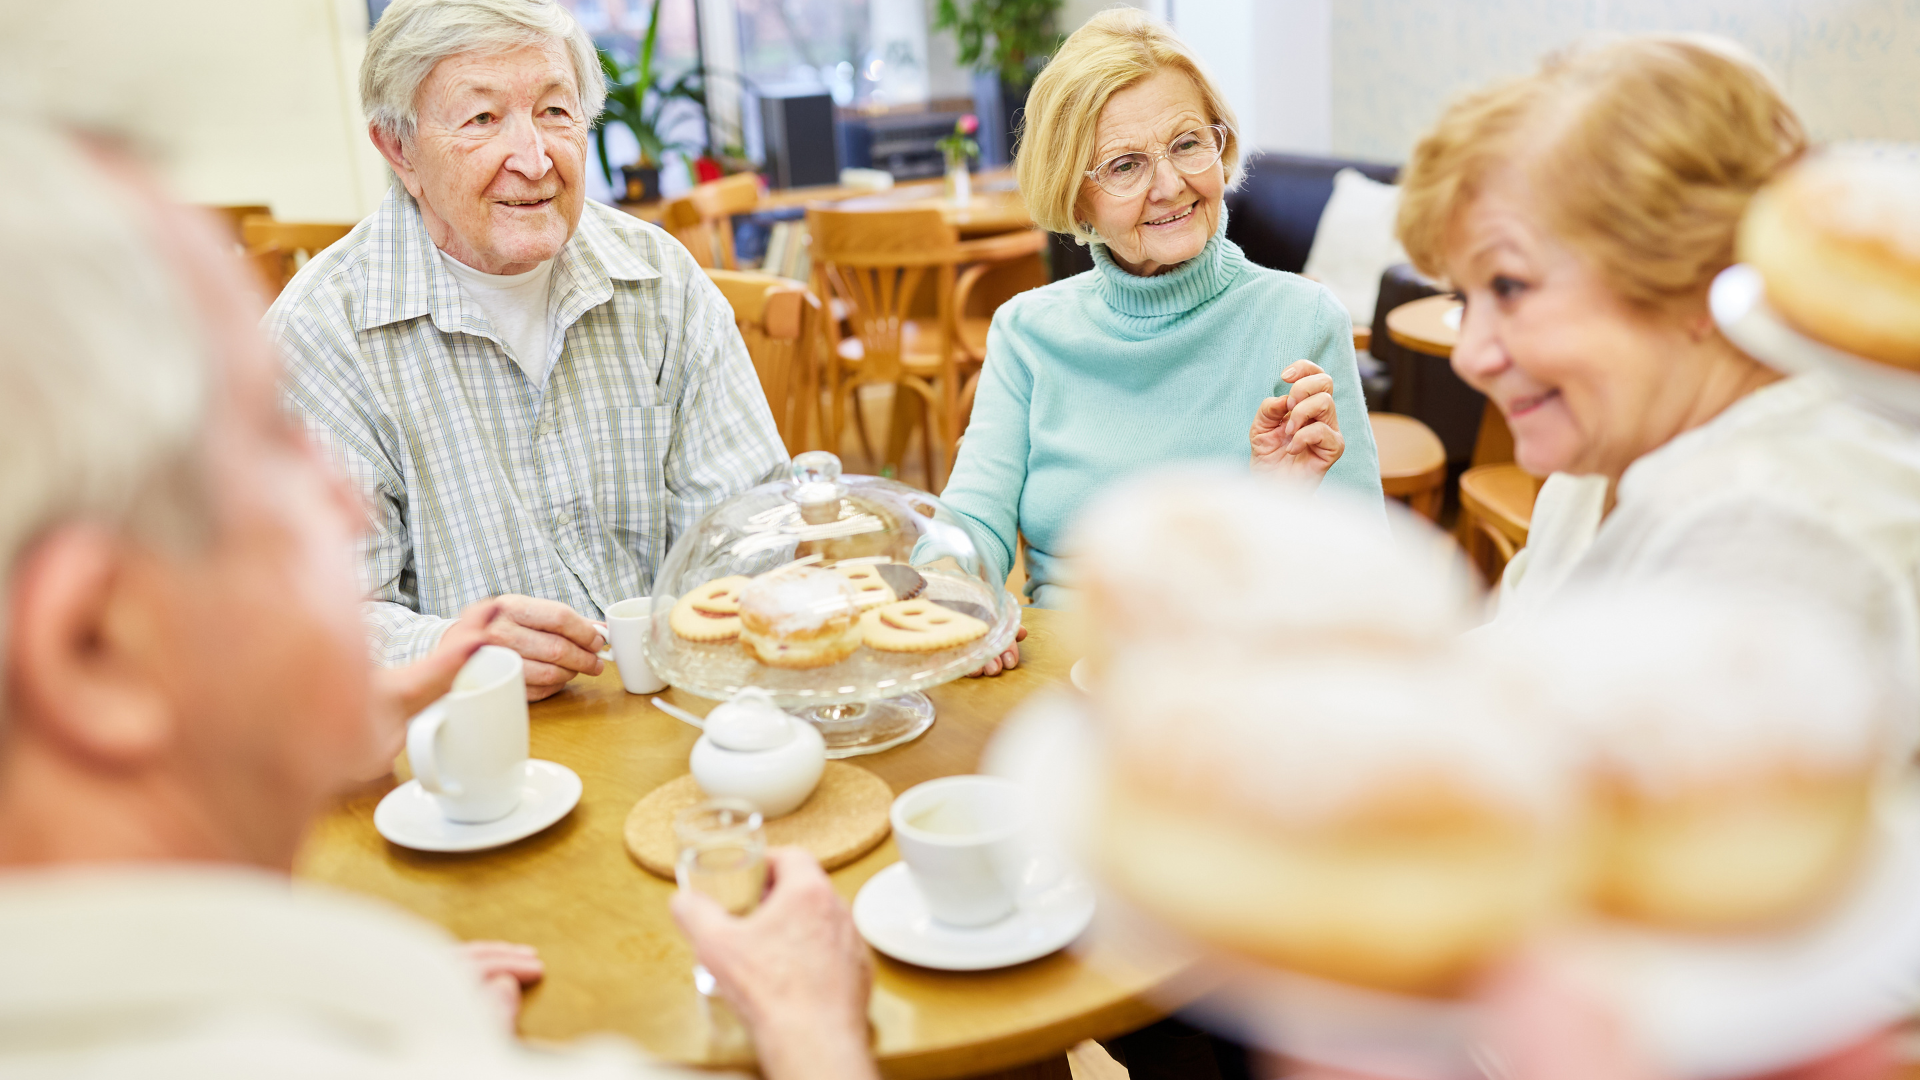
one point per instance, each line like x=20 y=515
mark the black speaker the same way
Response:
x=797 y=131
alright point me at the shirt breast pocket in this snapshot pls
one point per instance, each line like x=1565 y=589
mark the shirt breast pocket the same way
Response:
x=630 y=474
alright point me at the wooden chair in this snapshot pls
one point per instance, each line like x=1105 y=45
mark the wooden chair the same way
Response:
x=875 y=264
x=278 y=249
x=1006 y=265
x=780 y=321
x=234 y=216
x=1496 y=510
x=702 y=219
x=1413 y=463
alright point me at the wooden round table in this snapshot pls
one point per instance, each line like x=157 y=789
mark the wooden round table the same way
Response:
x=988 y=213
x=1425 y=326
x=615 y=961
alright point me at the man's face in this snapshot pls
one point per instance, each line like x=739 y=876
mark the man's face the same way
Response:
x=497 y=156
x=260 y=629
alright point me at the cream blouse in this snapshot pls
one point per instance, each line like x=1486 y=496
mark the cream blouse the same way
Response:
x=1796 y=487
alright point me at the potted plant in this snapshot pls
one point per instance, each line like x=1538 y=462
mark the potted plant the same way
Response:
x=638 y=97
x=960 y=149
x=1005 y=42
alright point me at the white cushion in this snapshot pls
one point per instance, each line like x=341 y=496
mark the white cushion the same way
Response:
x=1354 y=242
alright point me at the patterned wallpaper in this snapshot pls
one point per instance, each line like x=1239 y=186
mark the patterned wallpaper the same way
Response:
x=1851 y=67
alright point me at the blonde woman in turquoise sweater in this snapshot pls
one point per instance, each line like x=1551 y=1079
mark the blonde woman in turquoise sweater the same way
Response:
x=1175 y=347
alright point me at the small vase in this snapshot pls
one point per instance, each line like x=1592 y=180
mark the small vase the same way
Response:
x=959 y=180
x=643 y=183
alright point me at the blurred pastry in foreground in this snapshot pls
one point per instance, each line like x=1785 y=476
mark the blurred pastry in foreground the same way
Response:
x=1374 y=826
x=1223 y=563
x=1836 y=239
x=1733 y=751
x=799 y=617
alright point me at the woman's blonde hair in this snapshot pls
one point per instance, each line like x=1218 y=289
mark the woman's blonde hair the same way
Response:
x=1642 y=152
x=1113 y=51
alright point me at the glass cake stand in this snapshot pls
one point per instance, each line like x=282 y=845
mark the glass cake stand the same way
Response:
x=873 y=699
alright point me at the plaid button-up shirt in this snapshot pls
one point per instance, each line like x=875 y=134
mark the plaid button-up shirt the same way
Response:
x=479 y=482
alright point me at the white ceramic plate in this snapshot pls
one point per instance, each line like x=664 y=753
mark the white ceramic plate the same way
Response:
x=1703 y=1008
x=1739 y=303
x=892 y=915
x=1077 y=674
x=410 y=817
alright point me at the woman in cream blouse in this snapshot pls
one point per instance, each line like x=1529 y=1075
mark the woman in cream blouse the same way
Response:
x=1583 y=212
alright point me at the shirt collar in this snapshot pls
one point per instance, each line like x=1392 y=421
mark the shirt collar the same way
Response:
x=405 y=278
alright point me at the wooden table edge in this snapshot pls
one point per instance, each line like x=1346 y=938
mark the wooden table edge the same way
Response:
x=1017 y=1048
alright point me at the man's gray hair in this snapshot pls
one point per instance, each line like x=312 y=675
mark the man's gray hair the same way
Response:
x=104 y=371
x=414 y=35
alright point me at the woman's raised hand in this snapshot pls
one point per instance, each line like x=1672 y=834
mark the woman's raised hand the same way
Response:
x=1299 y=435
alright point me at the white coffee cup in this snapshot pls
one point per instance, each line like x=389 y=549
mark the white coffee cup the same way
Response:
x=469 y=749
x=963 y=839
x=628 y=624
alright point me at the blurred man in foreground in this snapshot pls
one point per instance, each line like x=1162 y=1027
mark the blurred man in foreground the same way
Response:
x=185 y=682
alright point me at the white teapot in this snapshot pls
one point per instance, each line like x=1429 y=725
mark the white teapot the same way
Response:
x=754 y=750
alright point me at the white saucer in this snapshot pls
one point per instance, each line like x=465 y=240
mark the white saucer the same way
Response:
x=892 y=915
x=410 y=817
x=1739 y=301
x=1077 y=674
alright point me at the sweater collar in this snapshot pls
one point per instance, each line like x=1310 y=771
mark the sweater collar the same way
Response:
x=1176 y=292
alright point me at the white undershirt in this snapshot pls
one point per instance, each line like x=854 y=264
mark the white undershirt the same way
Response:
x=516 y=305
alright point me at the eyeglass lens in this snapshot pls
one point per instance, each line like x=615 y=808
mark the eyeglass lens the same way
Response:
x=1190 y=153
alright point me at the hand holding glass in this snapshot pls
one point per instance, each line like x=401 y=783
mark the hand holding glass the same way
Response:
x=722 y=856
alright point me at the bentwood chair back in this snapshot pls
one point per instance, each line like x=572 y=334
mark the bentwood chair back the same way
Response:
x=278 y=249
x=702 y=219
x=1496 y=512
x=875 y=262
x=780 y=321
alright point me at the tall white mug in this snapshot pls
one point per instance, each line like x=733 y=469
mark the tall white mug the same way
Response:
x=469 y=749
x=963 y=839
x=628 y=623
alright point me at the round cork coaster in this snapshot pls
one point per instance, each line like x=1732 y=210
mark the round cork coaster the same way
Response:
x=844 y=818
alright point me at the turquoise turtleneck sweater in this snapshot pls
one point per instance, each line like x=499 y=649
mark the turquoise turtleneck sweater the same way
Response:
x=1101 y=376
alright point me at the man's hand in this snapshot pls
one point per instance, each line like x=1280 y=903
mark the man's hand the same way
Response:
x=1298 y=435
x=795 y=970
x=553 y=639
x=1006 y=661
x=503 y=968
x=399 y=693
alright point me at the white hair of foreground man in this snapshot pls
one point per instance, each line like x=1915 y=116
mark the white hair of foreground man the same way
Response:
x=414 y=35
x=104 y=385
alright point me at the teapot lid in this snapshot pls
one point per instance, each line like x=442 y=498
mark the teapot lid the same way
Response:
x=750 y=721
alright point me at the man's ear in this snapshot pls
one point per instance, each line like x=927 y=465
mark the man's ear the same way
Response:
x=82 y=667
x=395 y=151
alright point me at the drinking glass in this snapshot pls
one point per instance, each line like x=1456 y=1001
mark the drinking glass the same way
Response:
x=723 y=856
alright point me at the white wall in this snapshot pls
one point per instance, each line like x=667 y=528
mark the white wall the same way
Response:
x=1851 y=67
x=1273 y=61
x=241 y=101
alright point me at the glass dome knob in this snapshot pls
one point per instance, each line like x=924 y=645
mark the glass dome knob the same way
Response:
x=816 y=467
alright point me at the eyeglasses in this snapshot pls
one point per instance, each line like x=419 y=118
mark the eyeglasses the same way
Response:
x=1193 y=152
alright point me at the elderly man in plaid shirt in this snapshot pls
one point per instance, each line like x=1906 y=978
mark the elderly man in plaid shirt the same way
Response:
x=535 y=393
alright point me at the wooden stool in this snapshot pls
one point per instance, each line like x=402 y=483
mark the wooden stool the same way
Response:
x=1496 y=509
x=1413 y=464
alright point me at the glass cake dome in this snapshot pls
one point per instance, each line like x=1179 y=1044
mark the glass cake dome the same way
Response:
x=841 y=596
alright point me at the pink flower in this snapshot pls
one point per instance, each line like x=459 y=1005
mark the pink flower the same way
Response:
x=968 y=124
